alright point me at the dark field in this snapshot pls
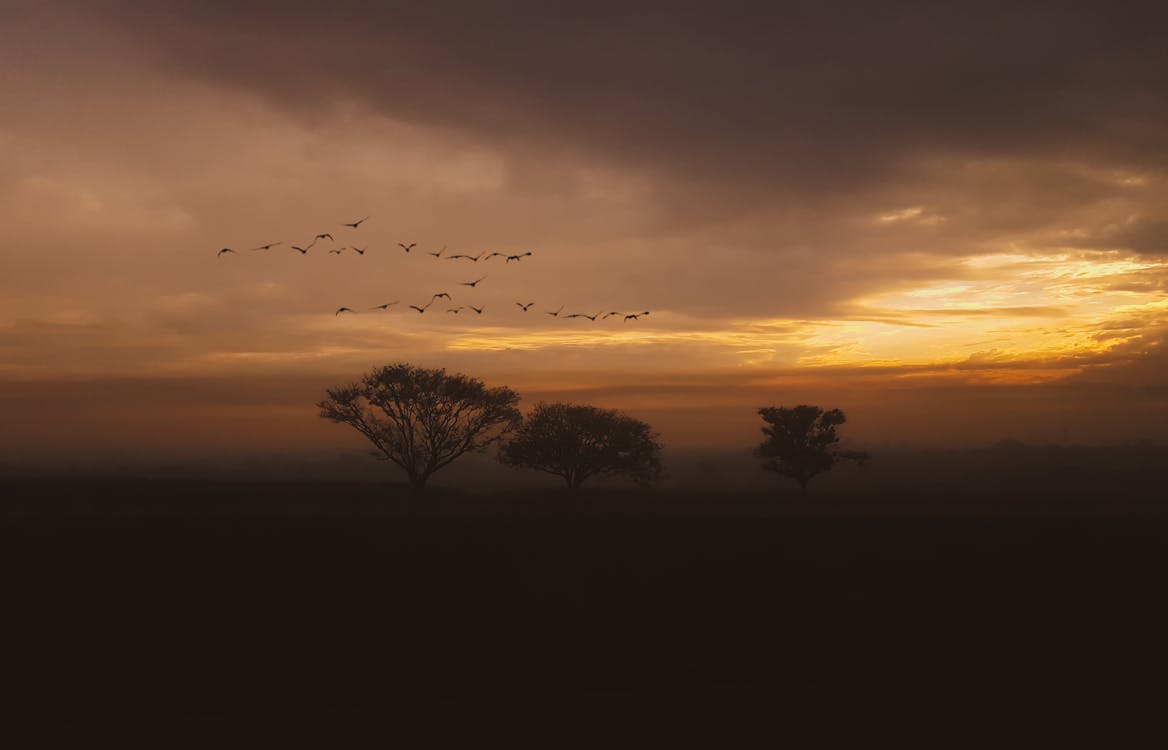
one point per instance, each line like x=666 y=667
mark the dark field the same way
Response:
x=179 y=611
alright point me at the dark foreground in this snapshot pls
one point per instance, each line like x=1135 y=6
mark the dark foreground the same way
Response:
x=186 y=612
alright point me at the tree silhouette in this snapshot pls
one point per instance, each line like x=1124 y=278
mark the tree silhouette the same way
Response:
x=801 y=442
x=578 y=442
x=422 y=420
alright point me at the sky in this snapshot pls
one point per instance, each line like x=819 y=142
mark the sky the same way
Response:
x=951 y=221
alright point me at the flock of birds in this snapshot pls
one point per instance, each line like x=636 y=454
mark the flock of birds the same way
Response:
x=483 y=256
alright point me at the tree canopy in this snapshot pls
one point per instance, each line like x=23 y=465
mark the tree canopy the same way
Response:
x=422 y=420
x=801 y=442
x=577 y=442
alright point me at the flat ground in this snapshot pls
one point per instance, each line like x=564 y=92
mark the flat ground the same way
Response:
x=168 y=609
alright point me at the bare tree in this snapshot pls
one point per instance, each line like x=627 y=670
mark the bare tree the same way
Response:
x=802 y=442
x=578 y=442
x=422 y=420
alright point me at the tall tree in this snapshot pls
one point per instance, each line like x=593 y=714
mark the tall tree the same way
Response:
x=579 y=442
x=422 y=420
x=801 y=442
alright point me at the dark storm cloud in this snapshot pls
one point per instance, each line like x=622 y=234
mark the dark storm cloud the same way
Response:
x=1144 y=236
x=820 y=97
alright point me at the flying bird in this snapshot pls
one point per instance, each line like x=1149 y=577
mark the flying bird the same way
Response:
x=356 y=224
x=455 y=310
x=268 y=246
x=523 y=306
x=582 y=315
x=473 y=284
x=492 y=255
x=439 y=253
x=225 y=250
x=517 y=257
x=635 y=316
x=322 y=236
x=422 y=309
x=301 y=250
x=478 y=310
x=341 y=310
x=556 y=313
x=474 y=258
x=359 y=250
x=610 y=314
x=386 y=306
x=336 y=251
x=406 y=247
x=440 y=294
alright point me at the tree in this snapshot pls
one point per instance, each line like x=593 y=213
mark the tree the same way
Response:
x=422 y=420
x=801 y=442
x=578 y=442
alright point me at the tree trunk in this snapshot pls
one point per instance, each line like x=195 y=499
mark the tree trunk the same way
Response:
x=418 y=485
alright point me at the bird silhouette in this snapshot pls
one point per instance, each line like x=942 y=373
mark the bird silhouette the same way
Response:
x=225 y=250
x=610 y=314
x=336 y=251
x=517 y=257
x=356 y=224
x=323 y=236
x=341 y=310
x=472 y=258
x=556 y=313
x=301 y=250
x=582 y=315
x=439 y=253
x=635 y=316
x=523 y=306
x=422 y=309
x=406 y=247
x=478 y=310
x=473 y=284
x=359 y=250
x=492 y=255
x=438 y=295
x=268 y=246
x=455 y=310
x=386 y=306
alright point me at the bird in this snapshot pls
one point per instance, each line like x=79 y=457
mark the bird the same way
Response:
x=556 y=313
x=582 y=315
x=356 y=224
x=336 y=251
x=341 y=310
x=322 y=236
x=523 y=306
x=359 y=250
x=268 y=246
x=386 y=306
x=301 y=250
x=474 y=258
x=439 y=294
x=406 y=247
x=225 y=250
x=492 y=255
x=472 y=284
x=455 y=310
x=439 y=253
x=478 y=310
x=422 y=309
x=610 y=314
x=635 y=316
x=517 y=257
